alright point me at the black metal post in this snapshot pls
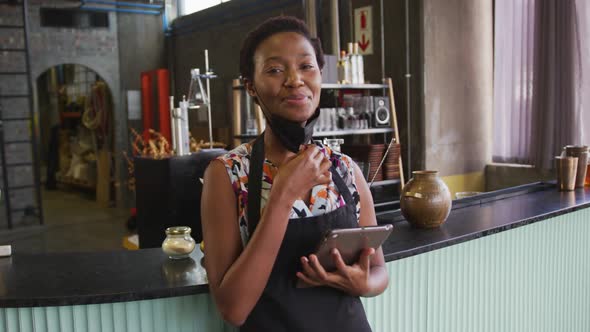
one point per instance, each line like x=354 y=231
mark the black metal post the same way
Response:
x=36 y=164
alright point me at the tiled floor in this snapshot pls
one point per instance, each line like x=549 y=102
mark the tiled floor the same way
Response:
x=73 y=222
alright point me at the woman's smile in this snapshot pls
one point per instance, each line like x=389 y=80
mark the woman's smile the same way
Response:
x=297 y=99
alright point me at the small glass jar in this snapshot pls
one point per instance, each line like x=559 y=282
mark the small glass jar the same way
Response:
x=178 y=243
x=333 y=143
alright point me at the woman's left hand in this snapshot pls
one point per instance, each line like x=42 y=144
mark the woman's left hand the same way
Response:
x=352 y=279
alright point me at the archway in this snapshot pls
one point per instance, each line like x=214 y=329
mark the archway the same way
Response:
x=75 y=121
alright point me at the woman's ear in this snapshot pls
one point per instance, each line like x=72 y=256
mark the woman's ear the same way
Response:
x=250 y=87
x=251 y=90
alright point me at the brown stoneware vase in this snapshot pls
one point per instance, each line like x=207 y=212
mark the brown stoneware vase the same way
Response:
x=426 y=200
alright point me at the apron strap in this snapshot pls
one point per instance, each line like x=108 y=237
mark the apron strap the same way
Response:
x=255 y=184
x=342 y=188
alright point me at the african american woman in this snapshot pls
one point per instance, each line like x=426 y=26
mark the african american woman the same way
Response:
x=267 y=204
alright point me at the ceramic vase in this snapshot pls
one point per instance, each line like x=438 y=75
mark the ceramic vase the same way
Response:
x=426 y=200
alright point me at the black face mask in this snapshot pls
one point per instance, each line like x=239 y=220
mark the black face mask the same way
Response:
x=290 y=133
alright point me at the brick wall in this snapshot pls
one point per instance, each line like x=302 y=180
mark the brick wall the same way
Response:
x=94 y=48
x=133 y=43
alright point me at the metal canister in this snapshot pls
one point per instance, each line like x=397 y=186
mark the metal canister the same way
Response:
x=581 y=152
x=180 y=129
x=566 y=168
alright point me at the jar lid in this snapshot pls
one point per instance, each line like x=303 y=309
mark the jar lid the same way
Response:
x=576 y=148
x=178 y=230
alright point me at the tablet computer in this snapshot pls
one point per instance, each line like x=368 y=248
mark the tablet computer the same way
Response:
x=350 y=242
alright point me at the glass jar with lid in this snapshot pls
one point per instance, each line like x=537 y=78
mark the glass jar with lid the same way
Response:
x=178 y=243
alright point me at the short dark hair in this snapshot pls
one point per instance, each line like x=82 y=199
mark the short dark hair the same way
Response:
x=268 y=28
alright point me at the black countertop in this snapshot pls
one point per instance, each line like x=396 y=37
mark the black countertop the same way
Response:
x=486 y=214
x=35 y=280
x=30 y=280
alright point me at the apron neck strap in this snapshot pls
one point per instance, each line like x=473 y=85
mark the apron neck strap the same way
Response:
x=255 y=183
x=342 y=187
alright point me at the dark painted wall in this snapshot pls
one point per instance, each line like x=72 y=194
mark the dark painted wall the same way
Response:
x=404 y=56
x=141 y=48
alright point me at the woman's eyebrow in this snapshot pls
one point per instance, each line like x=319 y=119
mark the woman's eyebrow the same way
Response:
x=279 y=58
x=305 y=55
x=273 y=58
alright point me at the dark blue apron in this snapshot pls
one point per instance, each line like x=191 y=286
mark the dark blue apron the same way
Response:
x=282 y=306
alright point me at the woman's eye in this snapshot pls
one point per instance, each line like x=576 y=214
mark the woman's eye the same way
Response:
x=273 y=70
x=307 y=66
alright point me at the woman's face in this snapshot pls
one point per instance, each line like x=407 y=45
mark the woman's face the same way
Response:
x=287 y=79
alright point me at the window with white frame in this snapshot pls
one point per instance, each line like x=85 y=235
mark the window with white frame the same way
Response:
x=187 y=7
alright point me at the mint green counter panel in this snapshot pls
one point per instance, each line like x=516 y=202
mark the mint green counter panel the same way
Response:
x=532 y=278
x=194 y=313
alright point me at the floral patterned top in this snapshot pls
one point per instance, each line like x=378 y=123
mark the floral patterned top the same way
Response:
x=324 y=198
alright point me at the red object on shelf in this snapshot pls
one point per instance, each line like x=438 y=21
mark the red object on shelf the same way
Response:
x=164 y=103
x=155 y=92
x=146 y=104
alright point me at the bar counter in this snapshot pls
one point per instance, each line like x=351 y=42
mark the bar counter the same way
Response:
x=515 y=259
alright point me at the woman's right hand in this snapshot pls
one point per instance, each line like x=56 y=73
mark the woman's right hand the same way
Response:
x=307 y=169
